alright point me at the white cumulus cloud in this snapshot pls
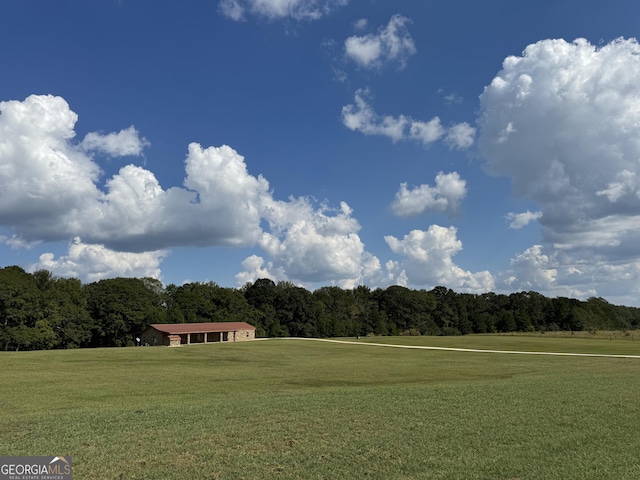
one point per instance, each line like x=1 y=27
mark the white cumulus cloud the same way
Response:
x=255 y=268
x=428 y=261
x=625 y=183
x=125 y=142
x=95 y=262
x=445 y=196
x=533 y=270
x=361 y=117
x=562 y=120
x=519 y=220
x=461 y=136
x=392 y=43
x=220 y=204
x=425 y=132
x=554 y=273
x=52 y=190
x=313 y=245
x=44 y=178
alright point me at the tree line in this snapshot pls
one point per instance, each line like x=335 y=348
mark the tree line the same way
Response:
x=40 y=311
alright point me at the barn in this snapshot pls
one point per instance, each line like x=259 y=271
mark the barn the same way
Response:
x=175 y=334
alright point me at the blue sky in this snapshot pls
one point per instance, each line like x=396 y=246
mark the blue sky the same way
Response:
x=484 y=146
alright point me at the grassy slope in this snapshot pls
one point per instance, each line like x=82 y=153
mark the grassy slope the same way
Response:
x=311 y=410
x=549 y=342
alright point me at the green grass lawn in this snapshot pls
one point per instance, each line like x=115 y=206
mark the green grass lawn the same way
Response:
x=293 y=409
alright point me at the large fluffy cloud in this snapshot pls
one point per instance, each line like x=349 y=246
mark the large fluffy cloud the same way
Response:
x=391 y=43
x=563 y=122
x=532 y=270
x=315 y=245
x=43 y=177
x=554 y=272
x=308 y=245
x=95 y=262
x=254 y=268
x=361 y=117
x=220 y=205
x=428 y=260
x=50 y=187
x=52 y=190
x=274 y=9
x=445 y=196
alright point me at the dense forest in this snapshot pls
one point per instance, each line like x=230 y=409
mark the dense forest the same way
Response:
x=40 y=311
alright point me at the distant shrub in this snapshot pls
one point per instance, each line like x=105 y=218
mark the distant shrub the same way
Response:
x=411 y=332
x=450 y=331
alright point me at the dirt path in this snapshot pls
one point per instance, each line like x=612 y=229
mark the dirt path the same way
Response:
x=471 y=350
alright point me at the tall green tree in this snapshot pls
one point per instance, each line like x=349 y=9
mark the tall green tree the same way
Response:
x=296 y=310
x=67 y=314
x=261 y=295
x=22 y=322
x=339 y=313
x=407 y=309
x=121 y=308
x=207 y=302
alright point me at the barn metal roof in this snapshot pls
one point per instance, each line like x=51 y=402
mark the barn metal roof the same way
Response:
x=178 y=328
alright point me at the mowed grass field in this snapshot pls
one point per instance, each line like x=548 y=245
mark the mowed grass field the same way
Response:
x=295 y=409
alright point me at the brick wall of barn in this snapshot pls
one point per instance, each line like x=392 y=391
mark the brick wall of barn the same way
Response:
x=242 y=335
x=152 y=337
